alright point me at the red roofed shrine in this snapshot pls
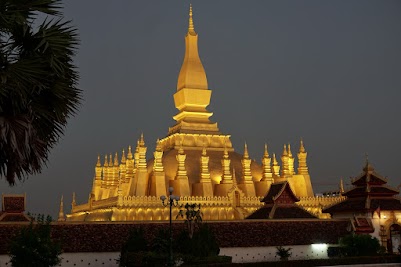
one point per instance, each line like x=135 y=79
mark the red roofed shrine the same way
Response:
x=280 y=204
x=13 y=208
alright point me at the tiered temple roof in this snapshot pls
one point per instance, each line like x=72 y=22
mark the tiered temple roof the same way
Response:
x=369 y=193
x=280 y=204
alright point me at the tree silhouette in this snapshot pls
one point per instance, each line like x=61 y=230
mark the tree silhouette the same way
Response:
x=38 y=83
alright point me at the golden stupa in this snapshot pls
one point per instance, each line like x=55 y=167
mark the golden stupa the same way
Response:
x=197 y=160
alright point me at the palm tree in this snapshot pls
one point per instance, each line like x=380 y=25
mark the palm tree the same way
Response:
x=38 y=83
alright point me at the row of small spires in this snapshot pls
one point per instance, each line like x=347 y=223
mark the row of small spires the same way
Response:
x=113 y=162
x=112 y=174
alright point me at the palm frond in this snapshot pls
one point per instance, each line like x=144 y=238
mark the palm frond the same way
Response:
x=38 y=84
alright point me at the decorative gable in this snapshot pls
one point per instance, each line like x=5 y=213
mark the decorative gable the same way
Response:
x=280 y=204
x=13 y=203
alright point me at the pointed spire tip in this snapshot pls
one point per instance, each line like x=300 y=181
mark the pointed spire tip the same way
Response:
x=191 y=27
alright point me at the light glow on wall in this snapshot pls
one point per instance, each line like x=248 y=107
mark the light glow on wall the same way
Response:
x=320 y=247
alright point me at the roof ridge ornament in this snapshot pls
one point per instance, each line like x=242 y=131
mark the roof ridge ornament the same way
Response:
x=368 y=167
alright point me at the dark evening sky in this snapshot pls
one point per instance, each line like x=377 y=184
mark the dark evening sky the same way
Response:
x=326 y=71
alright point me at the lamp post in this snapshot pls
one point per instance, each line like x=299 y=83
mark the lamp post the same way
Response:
x=172 y=201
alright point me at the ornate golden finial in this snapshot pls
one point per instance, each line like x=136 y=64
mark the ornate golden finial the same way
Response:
x=274 y=159
x=141 y=140
x=341 y=186
x=191 y=27
x=98 y=169
x=110 y=160
x=116 y=159
x=106 y=161
x=123 y=159
x=285 y=150
x=129 y=154
x=289 y=150
x=246 y=155
x=266 y=166
x=301 y=147
x=158 y=145
x=368 y=166
x=266 y=154
x=61 y=216
x=73 y=199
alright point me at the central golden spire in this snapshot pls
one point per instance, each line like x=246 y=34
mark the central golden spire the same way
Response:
x=192 y=74
x=193 y=95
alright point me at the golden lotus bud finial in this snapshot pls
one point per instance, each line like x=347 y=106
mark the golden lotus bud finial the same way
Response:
x=285 y=150
x=106 y=161
x=266 y=154
x=158 y=145
x=116 y=159
x=289 y=150
x=123 y=159
x=246 y=154
x=302 y=148
x=129 y=154
x=110 y=160
x=191 y=27
x=274 y=159
x=142 y=141
x=98 y=164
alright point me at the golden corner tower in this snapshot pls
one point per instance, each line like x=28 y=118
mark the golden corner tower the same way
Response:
x=196 y=159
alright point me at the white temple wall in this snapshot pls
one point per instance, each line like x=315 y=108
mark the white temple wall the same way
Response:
x=103 y=259
x=239 y=254
x=261 y=254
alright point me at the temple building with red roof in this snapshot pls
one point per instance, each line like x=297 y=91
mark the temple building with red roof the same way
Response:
x=280 y=203
x=373 y=207
x=13 y=208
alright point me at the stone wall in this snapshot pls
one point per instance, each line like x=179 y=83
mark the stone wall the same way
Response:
x=108 y=237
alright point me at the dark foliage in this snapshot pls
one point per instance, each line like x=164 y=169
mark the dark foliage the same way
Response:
x=38 y=82
x=334 y=252
x=202 y=247
x=161 y=241
x=359 y=245
x=193 y=216
x=33 y=245
x=283 y=253
x=135 y=243
x=202 y=244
